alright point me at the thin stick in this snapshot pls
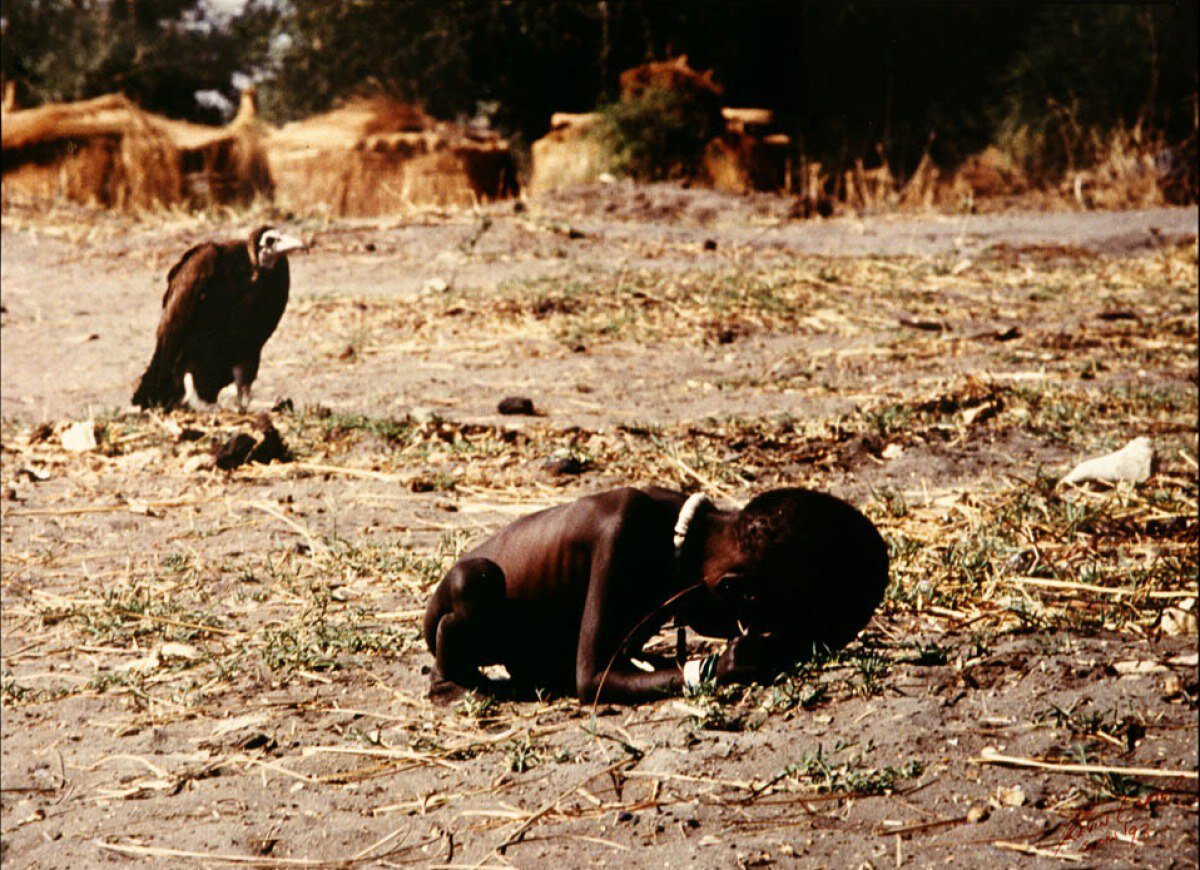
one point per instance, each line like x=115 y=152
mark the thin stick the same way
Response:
x=552 y=803
x=161 y=852
x=707 y=481
x=349 y=472
x=1026 y=849
x=103 y=509
x=922 y=826
x=393 y=835
x=1103 y=590
x=313 y=544
x=992 y=757
x=212 y=629
x=254 y=860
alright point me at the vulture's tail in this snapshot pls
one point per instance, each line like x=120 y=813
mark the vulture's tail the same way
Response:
x=159 y=386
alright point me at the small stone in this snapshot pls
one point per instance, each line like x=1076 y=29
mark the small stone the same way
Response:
x=977 y=814
x=270 y=446
x=1013 y=796
x=516 y=405
x=235 y=451
x=566 y=465
x=710 y=244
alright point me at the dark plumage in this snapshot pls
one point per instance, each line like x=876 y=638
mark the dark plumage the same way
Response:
x=222 y=303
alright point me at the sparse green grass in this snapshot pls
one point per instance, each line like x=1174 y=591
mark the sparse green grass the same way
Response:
x=1083 y=719
x=523 y=755
x=956 y=556
x=850 y=776
x=318 y=641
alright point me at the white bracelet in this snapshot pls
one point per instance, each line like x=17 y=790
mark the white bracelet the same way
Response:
x=696 y=672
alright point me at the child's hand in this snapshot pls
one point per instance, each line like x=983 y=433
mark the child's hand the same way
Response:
x=745 y=659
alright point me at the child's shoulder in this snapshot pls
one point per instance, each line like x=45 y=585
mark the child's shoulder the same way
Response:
x=630 y=500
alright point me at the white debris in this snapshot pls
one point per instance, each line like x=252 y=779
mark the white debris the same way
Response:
x=495 y=672
x=1180 y=619
x=1133 y=462
x=1138 y=668
x=199 y=462
x=1009 y=796
x=79 y=437
x=176 y=650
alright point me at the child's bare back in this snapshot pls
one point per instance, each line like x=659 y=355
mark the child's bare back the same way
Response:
x=566 y=598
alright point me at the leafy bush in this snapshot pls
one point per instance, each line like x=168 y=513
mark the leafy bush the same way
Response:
x=660 y=134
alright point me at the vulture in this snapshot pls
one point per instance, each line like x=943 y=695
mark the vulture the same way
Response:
x=222 y=303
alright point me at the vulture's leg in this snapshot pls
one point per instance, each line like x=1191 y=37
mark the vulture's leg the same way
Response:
x=192 y=399
x=243 y=397
x=244 y=374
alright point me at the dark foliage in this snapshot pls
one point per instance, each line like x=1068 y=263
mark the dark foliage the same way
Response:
x=159 y=53
x=846 y=80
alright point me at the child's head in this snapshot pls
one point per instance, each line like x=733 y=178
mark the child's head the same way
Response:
x=809 y=565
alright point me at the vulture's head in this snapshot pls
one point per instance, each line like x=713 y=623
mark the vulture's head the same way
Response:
x=268 y=244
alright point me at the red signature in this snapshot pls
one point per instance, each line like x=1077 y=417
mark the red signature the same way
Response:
x=1120 y=823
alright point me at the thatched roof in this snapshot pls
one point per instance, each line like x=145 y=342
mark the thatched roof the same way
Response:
x=108 y=151
x=379 y=156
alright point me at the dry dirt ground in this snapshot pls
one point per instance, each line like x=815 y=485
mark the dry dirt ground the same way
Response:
x=218 y=668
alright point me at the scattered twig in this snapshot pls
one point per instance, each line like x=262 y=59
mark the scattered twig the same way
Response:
x=990 y=756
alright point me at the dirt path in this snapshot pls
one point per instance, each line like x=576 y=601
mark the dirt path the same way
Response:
x=203 y=668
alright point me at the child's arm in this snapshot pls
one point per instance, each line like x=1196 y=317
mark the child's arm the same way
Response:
x=614 y=611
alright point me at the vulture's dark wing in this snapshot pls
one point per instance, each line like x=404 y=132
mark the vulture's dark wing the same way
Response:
x=194 y=297
x=175 y=269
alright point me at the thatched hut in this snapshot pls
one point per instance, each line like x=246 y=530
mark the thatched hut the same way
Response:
x=108 y=152
x=746 y=155
x=377 y=156
x=573 y=152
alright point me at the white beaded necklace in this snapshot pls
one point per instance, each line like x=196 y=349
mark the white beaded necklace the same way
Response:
x=687 y=513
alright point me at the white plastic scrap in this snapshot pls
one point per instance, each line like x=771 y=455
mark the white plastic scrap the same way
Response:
x=1133 y=462
x=79 y=437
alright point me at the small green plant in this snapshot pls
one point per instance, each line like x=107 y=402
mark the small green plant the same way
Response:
x=927 y=655
x=523 y=755
x=851 y=777
x=869 y=670
x=10 y=689
x=477 y=706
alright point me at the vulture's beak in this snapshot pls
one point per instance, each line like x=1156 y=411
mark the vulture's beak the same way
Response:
x=289 y=243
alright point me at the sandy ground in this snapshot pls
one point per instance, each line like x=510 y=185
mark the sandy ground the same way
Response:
x=288 y=722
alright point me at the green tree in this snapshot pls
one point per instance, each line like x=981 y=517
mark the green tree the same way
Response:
x=160 y=53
